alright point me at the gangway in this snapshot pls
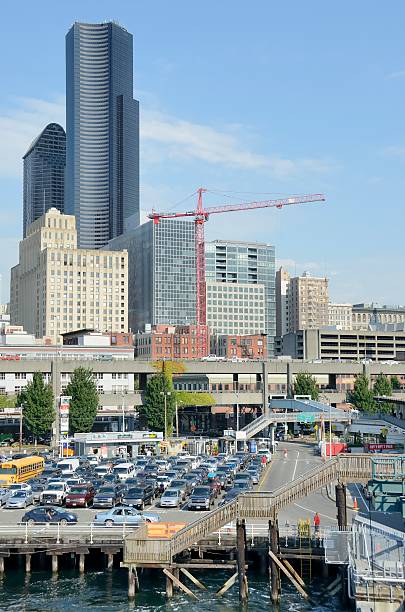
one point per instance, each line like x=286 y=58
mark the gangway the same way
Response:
x=140 y=550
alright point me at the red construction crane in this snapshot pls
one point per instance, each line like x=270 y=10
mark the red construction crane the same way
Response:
x=201 y=215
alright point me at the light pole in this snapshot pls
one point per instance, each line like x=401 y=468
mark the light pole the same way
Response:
x=21 y=428
x=123 y=411
x=165 y=395
x=330 y=431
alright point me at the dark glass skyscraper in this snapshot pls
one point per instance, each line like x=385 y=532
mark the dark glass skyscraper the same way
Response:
x=102 y=126
x=44 y=174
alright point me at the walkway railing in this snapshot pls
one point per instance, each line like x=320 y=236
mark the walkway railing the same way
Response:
x=265 y=505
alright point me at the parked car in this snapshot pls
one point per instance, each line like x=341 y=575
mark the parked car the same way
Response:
x=107 y=497
x=124 y=515
x=19 y=486
x=4 y=495
x=138 y=497
x=19 y=499
x=181 y=485
x=80 y=495
x=230 y=496
x=201 y=499
x=48 y=515
x=171 y=498
x=37 y=489
x=54 y=494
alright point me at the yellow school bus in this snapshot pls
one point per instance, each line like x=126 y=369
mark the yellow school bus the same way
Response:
x=20 y=470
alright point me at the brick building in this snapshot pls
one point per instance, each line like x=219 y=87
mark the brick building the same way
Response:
x=241 y=347
x=171 y=342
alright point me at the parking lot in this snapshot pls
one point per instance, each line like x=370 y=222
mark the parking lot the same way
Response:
x=216 y=473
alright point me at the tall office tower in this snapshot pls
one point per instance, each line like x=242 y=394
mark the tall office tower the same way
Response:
x=102 y=127
x=44 y=174
x=241 y=289
x=282 y=283
x=57 y=288
x=162 y=273
x=308 y=300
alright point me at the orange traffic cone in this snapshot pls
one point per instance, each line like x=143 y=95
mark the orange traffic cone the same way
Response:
x=355 y=505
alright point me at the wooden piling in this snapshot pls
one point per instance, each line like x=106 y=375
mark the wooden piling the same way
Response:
x=110 y=561
x=241 y=560
x=341 y=506
x=169 y=586
x=82 y=558
x=1 y=565
x=54 y=564
x=273 y=569
x=27 y=563
x=131 y=583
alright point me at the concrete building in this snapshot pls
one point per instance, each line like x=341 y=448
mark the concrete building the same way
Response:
x=308 y=300
x=240 y=279
x=162 y=273
x=56 y=287
x=365 y=315
x=239 y=347
x=282 y=284
x=345 y=345
x=340 y=316
x=172 y=342
x=102 y=126
x=4 y=309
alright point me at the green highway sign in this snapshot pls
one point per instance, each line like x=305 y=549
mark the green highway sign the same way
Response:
x=306 y=417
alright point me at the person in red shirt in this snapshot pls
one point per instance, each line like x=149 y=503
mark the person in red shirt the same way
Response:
x=317 y=523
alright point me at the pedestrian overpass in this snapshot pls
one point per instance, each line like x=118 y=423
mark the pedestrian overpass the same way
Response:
x=291 y=411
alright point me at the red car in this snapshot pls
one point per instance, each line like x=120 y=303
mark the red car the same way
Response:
x=80 y=496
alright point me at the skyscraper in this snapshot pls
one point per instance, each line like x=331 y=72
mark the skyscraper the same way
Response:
x=102 y=126
x=162 y=273
x=44 y=174
x=282 y=283
x=240 y=280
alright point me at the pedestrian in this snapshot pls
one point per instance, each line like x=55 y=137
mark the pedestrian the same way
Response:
x=317 y=524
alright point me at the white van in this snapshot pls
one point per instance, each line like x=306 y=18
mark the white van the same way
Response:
x=68 y=466
x=124 y=471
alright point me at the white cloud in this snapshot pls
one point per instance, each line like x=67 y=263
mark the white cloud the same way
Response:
x=397 y=151
x=21 y=125
x=396 y=75
x=163 y=138
x=298 y=266
x=185 y=140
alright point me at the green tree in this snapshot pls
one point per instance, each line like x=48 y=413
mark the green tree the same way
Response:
x=84 y=400
x=37 y=403
x=194 y=398
x=305 y=384
x=153 y=408
x=383 y=386
x=8 y=401
x=362 y=395
x=395 y=384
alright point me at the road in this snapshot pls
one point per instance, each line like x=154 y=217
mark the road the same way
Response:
x=300 y=459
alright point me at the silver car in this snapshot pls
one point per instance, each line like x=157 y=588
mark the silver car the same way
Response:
x=20 y=499
x=4 y=495
x=171 y=498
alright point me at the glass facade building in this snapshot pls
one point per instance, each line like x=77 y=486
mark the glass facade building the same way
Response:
x=44 y=174
x=102 y=125
x=241 y=297
x=162 y=273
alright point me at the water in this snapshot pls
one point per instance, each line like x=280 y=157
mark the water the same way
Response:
x=103 y=591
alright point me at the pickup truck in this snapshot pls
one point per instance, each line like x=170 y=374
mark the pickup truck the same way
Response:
x=54 y=494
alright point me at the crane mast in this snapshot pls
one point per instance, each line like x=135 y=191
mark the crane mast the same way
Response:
x=201 y=215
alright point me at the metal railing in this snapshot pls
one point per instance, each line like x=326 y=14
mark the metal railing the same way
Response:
x=64 y=534
x=265 y=505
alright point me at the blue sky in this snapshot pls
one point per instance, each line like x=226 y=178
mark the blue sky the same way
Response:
x=262 y=97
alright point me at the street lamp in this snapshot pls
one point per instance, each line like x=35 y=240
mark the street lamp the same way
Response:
x=123 y=392
x=165 y=395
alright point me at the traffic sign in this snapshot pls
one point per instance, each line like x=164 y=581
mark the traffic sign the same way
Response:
x=306 y=417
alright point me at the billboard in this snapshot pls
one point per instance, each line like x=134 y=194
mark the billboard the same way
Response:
x=64 y=404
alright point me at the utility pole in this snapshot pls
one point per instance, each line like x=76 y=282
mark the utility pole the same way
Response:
x=21 y=429
x=165 y=395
